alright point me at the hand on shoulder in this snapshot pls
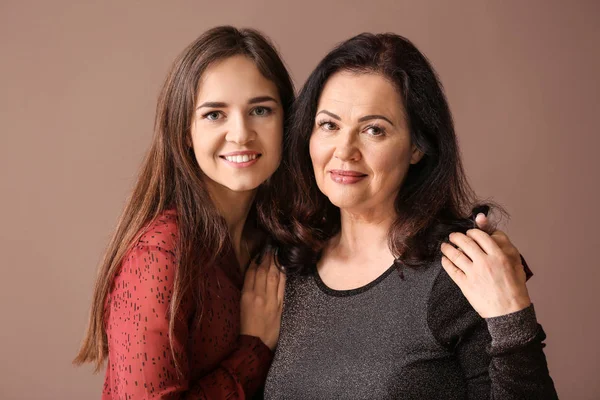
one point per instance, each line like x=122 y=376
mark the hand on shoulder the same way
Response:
x=488 y=271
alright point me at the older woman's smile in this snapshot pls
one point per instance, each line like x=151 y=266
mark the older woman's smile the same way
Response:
x=346 y=176
x=360 y=146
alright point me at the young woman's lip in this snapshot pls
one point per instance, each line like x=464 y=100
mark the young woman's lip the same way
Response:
x=241 y=153
x=241 y=164
x=344 y=172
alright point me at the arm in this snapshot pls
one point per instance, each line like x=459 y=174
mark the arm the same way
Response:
x=502 y=358
x=141 y=362
x=518 y=368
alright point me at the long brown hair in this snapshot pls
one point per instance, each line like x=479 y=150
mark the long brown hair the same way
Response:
x=171 y=178
x=435 y=198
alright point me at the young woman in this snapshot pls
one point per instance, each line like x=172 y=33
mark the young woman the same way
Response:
x=169 y=314
x=392 y=292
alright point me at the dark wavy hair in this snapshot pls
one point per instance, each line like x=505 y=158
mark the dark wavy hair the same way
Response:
x=435 y=198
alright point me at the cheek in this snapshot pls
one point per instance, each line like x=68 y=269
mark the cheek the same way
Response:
x=205 y=147
x=316 y=156
x=272 y=140
x=390 y=167
x=202 y=147
x=277 y=138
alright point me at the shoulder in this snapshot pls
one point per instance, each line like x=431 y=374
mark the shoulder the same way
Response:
x=449 y=313
x=443 y=286
x=145 y=279
x=298 y=286
x=160 y=233
x=154 y=253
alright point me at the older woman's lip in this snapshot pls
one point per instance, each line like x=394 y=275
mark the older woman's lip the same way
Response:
x=346 y=172
x=346 y=177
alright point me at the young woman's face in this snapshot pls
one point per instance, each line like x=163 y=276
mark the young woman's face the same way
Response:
x=360 y=146
x=238 y=125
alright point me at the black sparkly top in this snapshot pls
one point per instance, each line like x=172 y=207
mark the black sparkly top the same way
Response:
x=410 y=337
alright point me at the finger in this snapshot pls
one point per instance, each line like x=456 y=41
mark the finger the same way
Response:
x=467 y=245
x=250 y=277
x=272 y=279
x=455 y=273
x=457 y=257
x=507 y=247
x=501 y=238
x=482 y=221
x=259 y=257
x=262 y=272
x=281 y=288
x=484 y=241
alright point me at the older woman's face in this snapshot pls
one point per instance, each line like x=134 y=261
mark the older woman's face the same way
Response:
x=360 y=146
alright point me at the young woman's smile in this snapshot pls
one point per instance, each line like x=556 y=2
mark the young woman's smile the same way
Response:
x=238 y=129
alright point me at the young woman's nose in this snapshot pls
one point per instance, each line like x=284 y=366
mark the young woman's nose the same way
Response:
x=240 y=131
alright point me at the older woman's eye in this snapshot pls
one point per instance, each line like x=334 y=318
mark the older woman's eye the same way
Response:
x=375 y=130
x=261 y=111
x=213 y=115
x=327 y=125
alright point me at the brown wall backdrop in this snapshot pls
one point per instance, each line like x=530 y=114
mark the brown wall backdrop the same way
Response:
x=78 y=85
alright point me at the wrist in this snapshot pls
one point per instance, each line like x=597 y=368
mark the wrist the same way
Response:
x=512 y=330
x=506 y=306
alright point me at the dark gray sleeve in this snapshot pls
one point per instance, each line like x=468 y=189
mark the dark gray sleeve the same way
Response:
x=502 y=358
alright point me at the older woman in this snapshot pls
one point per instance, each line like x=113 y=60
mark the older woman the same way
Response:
x=392 y=291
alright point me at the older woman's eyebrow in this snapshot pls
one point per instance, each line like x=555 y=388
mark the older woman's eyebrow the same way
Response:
x=374 y=116
x=332 y=115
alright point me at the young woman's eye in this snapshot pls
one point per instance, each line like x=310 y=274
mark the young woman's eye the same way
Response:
x=261 y=111
x=375 y=130
x=327 y=125
x=213 y=115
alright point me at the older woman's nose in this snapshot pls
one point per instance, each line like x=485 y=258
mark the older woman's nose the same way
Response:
x=346 y=148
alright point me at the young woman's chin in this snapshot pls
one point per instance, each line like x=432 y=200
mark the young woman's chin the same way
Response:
x=237 y=185
x=242 y=188
x=239 y=179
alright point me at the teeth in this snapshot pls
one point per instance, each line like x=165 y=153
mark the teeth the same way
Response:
x=241 y=159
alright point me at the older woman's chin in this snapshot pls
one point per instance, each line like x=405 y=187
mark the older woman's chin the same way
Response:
x=355 y=204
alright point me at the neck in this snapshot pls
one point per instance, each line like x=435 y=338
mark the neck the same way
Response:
x=234 y=208
x=364 y=233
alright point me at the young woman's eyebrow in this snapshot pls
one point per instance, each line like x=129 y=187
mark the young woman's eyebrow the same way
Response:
x=261 y=99
x=212 y=104
x=220 y=104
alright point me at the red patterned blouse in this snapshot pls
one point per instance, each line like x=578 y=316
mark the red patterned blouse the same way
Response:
x=217 y=362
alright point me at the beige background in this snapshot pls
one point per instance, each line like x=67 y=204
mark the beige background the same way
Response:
x=78 y=84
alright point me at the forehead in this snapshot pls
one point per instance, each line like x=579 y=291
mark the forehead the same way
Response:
x=235 y=77
x=352 y=92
